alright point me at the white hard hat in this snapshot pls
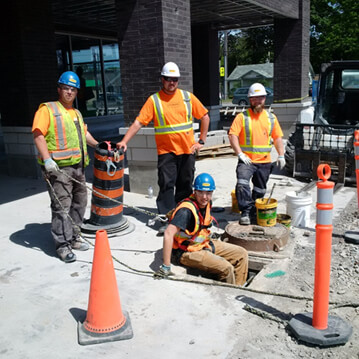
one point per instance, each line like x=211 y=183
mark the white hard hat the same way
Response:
x=170 y=70
x=257 y=89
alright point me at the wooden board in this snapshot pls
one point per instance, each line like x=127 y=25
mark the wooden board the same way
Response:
x=214 y=151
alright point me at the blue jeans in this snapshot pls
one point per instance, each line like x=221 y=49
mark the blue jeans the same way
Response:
x=259 y=173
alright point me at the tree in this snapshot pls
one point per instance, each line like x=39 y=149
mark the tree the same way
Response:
x=334 y=31
x=252 y=46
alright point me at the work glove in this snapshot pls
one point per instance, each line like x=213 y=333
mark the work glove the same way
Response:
x=163 y=272
x=244 y=158
x=281 y=162
x=51 y=166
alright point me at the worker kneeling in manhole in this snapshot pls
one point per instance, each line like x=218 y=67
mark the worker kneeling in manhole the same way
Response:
x=187 y=239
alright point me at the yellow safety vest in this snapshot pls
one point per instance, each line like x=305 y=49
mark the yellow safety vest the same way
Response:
x=62 y=137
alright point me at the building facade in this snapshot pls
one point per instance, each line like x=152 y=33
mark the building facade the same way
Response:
x=118 y=48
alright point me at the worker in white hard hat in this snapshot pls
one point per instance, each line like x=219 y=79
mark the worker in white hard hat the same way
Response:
x=172 y=110
x=251 y=136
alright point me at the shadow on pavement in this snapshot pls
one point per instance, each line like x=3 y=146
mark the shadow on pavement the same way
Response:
x=264 y=307
x=224 y=217
x=36 y=236
x=157 y=260
x=15 y=188
x=143 y=217
x=78 y=314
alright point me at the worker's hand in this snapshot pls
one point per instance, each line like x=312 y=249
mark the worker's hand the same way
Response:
x=196 y=147
x=281 y=162
x=244 y=158
x=122 y=145
x=51 y=166
x=163 y=272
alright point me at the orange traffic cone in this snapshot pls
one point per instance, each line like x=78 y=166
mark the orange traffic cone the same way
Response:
x=105 y=321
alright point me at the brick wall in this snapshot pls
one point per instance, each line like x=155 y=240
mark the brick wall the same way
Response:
x=28 y=71
x=156 y=32
x=291 y=55
x=28 y=76
x=21 y=152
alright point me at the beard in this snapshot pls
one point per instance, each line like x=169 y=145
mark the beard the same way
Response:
x=257 y=109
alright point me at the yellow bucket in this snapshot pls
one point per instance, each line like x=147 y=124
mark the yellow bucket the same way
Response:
x=284 y=219
x=266 y=213
x=234 y=202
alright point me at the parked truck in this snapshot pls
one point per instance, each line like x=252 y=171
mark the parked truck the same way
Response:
x=329 y=136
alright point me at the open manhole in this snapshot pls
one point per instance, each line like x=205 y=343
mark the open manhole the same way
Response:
x=261 y=243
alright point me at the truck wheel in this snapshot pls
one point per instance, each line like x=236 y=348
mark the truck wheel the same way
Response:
x=289 y=154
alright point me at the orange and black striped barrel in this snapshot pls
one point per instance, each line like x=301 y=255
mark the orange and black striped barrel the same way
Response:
x=108 y=182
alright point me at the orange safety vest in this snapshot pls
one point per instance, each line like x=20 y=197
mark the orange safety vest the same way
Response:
x=161 y=126
x=198 y=238
x=180 y=134
x=262 y=146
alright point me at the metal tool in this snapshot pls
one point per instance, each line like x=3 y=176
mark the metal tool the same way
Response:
x=271 y=192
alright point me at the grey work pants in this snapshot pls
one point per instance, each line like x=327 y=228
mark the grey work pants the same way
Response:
x=229 y=262
x=73 y=199
x=259 y=173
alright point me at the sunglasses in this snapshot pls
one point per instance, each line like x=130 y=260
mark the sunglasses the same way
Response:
x=68 y=88
x=170 y=79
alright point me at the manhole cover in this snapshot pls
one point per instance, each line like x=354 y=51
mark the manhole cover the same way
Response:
x=257 y=238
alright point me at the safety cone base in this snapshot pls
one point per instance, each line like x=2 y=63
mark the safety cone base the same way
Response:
x=125 y=227
x=338 y=331
x=86 y=337
x=351 y=237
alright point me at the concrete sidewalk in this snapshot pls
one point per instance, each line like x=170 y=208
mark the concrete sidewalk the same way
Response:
x=42 y=298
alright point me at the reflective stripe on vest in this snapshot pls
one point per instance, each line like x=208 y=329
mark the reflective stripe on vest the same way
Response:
x=247 y=125
x=163 y=128
x=59 y=125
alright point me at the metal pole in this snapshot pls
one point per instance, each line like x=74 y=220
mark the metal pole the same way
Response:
x=225 y=54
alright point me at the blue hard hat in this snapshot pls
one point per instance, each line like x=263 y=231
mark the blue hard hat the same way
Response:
x=204 y=182
x=69 y=78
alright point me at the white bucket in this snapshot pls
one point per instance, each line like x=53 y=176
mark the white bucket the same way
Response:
x=298 y=207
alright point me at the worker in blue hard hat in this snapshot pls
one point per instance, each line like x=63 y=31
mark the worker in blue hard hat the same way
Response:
x=188 y=240
x=61 y=138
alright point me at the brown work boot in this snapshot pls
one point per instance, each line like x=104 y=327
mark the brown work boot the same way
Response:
x=66 y=254
x=79 y=245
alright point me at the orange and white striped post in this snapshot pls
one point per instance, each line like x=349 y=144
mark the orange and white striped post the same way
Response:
x=356 y=156
x=320 y=328
x=323 y=247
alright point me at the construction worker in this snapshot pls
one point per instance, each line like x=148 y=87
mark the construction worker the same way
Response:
x=250 y=136
x=60 y=136
x=187 y=237
x=172 y=111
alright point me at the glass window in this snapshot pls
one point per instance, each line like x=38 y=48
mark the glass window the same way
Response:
x=350 y=79
x=112 y=78
x=97 y=63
